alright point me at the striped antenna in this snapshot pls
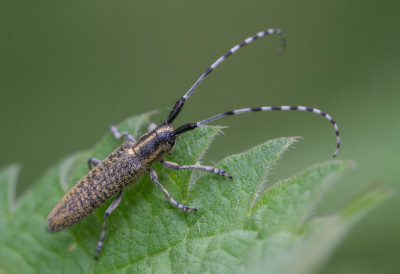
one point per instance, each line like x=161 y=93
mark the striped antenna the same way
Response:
x=178 y=106
x=243 y=110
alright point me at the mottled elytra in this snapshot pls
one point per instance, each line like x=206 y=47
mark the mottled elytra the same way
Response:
x=107 y=178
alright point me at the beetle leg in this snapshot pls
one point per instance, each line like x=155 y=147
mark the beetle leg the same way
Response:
x=93 y=162
x=119 y=135
x=154 y=178
x=218 y=171
x=152 y=127
x=109 y=210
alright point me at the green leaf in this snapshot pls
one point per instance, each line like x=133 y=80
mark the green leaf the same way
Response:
x=246 y=224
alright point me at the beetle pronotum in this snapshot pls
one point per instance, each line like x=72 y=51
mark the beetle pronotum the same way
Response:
x=134 y=158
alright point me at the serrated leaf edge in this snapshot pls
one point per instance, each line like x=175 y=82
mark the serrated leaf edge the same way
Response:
x=195 y=176
x=262 y=185
x=13 y=171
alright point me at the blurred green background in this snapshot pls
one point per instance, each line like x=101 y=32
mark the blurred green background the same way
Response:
x=69 y=69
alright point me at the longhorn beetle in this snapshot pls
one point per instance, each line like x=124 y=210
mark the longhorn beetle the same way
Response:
x=135 y=157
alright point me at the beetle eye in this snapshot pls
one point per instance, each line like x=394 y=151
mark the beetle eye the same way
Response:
x=171 y=138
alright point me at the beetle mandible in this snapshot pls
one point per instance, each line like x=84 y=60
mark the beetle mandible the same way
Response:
x=133 y=158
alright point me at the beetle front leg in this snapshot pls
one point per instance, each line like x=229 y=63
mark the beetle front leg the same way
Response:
x=154 y=178
x=109 y=210
x=119 y=135
x=211 y=169
x=151 y=127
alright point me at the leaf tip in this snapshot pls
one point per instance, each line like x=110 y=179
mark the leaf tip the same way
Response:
x=370 y=197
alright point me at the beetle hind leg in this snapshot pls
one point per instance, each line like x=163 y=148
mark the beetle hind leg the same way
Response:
x=154 y=178
x=109 y=210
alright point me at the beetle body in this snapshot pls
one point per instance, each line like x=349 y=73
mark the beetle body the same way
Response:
x=119 y=169
x=134 y=158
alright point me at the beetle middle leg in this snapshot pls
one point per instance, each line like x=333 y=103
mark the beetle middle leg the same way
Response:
x=93 y=162
x=119 y=135
x=218 y=171
x=109 y=210
x=154 y=178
